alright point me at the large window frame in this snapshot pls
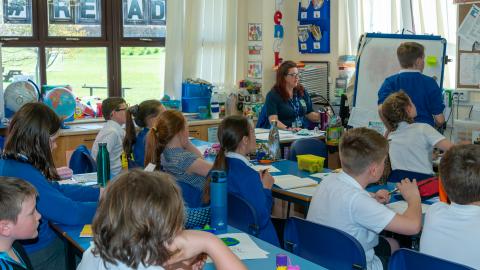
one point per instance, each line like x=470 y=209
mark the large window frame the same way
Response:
x=111 y=38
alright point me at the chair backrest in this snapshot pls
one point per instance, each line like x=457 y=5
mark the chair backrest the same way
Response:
x=262 y=121
x=323 y=245
x=404 y=259
x=313 y=146
x=2 y=142
x=191 y=195
x=81 y=161
x=242 y=215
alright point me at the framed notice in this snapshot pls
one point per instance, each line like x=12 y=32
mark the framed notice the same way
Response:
x=61 y=11
x=17 y=11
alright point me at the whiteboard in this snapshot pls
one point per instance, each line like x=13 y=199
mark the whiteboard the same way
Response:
x=377 y=60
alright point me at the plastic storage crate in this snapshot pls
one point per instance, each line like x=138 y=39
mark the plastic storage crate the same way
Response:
x=310 y=163
x=190 y=90
x=190 y=105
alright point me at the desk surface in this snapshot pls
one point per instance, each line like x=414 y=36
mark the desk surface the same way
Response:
x=71 y=233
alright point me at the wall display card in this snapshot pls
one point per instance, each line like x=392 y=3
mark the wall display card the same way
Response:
x=17 y=11
x=469 y=30
x=255 y=32
x=469 y=69
x=61 y=11
x=254 y=69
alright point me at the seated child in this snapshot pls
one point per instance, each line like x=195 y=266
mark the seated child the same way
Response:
x=144 y=116
x=113 y=110
x=451 y=231
x=411 y=144
x=169 y=148
x=423 y=90
x=138 y=226
x=19 y=220
x=237 y=139
x=342 y=202
x=28 y=155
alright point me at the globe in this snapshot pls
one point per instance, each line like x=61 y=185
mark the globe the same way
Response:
x=17 y=94
x=62 y=101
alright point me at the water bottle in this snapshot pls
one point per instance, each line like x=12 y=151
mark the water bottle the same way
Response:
x=103 y=165
x=218 y=201
x=274 y=141
x=215 y=106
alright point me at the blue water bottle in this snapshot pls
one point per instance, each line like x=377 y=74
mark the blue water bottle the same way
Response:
x=218 y=201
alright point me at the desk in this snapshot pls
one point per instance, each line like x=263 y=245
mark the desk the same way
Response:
x=77 y=245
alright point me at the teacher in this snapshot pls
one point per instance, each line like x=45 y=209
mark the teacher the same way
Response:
x=288 y=102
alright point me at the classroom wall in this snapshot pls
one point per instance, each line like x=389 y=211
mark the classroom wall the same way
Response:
x=262 y=11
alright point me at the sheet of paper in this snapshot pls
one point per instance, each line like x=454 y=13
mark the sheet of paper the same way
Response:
x=85 y=177
x=321 y=175
x=289 y=181
x=307 y=191
x=401 y=206
x=360 y=117
x=263 y=167
x=469 y=71
x=150 y=167
x=246 y=249
x=469 y=30
x=261 y=130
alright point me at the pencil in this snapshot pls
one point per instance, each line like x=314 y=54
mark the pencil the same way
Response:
x=422 y=184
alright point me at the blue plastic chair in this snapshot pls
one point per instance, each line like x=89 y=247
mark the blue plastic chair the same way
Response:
x=262 y=121
x=242 y=215
x=312 y=146
x=191 y=195
x=404 y=259
x=2 y=142
x=323 y=245
x=82 y=161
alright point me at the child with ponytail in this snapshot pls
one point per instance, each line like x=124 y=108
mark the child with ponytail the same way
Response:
x=169 y=148
x=237 y=139
x=410 y=144
x=144 y=115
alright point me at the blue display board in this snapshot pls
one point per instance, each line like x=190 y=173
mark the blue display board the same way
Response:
x=314 y=28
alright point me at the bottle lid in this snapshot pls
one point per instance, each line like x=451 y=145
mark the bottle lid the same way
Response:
x=282 y=260
x=102 y=144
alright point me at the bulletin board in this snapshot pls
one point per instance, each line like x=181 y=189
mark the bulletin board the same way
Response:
x=468 y=53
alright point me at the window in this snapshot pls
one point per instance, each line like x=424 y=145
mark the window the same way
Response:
x=17 y=18
x=80 y=43
x=143 y=72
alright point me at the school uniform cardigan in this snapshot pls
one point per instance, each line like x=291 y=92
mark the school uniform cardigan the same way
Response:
x=245 y=182
x=139 y=147
x=64 y=204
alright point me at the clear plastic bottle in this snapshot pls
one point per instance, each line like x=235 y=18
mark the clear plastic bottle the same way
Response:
x=218 y=201
x=215 y=106
x=274 y=141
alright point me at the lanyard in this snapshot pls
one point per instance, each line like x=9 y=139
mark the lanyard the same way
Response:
x=295 y=105
x=4 y=256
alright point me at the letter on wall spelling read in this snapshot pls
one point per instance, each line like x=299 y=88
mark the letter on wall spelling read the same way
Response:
x=17 y=11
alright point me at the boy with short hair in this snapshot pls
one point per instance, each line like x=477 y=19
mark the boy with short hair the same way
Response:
x=114 y=111
x=19 y=220
x=342 y=202
x=423 y=90
x=451 y=231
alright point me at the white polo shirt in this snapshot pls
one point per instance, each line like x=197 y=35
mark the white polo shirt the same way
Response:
x=411 y=147
x=341 y=202
x=112 y=134
x=452 y=232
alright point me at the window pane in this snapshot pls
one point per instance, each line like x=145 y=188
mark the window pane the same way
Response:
x=81 y=18
x=143 y=73
x=19 y=63
x=144 y=18
x=85 y=69
x=16 y=18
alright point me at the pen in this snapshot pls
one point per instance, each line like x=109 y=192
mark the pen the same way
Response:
x=422 y=184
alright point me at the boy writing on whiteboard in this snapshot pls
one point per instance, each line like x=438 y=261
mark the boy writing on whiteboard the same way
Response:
x=422 y=90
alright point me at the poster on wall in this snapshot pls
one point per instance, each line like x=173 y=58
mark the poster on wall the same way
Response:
x=61 y=11
x=255 y=32
x=17 y=11
x=254 y=70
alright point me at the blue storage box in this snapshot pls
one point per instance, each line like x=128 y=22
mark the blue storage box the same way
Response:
x=190 y=90
x=190 y=105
